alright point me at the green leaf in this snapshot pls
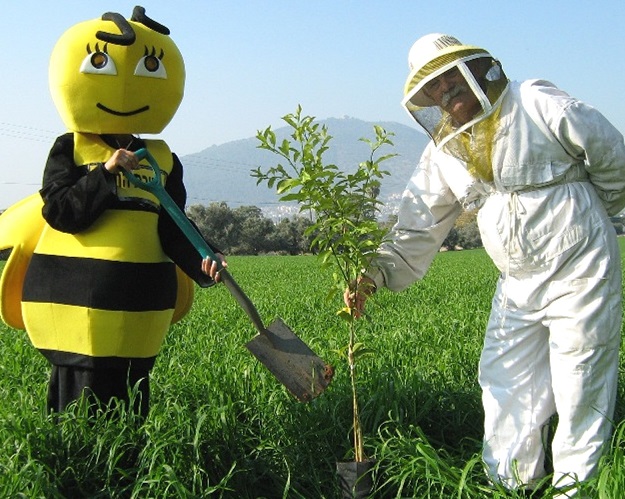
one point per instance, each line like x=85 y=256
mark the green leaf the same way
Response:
x=294 y=196
x=287 y=184
x=384 y=158
x=270 y=137
x=359 y=350
x=285 y=147
x=342 y=352
x=345 y=314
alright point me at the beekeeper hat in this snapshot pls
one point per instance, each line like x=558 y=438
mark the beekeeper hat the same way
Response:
x=430 y=56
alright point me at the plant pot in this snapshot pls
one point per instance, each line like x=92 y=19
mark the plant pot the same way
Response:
x=355 y=478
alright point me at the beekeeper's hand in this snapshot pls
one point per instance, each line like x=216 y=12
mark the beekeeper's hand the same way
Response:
x=357 y=293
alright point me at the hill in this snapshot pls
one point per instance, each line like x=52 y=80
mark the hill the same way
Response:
x=222 y=172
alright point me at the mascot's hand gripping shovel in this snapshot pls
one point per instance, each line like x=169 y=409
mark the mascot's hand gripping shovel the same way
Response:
x=288 y=358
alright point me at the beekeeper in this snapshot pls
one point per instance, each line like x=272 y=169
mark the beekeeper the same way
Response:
x=547 y=171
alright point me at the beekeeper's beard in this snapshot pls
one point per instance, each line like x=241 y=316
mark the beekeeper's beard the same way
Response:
x=455 y=91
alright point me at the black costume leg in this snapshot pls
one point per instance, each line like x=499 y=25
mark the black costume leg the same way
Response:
x=67 y=384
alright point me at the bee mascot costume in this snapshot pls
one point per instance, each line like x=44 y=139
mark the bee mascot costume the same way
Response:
x=91 y=275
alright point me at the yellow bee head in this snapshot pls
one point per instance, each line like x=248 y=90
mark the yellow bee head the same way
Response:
x=113 y=75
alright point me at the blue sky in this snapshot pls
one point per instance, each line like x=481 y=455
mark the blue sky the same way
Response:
x=250 y=62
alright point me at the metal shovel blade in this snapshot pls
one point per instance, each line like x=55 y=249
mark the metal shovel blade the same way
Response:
x=291 y=361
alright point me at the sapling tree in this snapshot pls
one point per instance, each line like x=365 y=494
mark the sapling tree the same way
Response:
x=343 y=207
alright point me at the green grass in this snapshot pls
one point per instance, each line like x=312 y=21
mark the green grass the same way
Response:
x=221 y=426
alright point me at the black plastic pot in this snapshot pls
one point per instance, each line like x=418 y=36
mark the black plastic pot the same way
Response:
x=355 y=478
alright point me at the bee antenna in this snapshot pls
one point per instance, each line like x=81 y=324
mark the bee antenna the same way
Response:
x=138 y=15
x=127 y=36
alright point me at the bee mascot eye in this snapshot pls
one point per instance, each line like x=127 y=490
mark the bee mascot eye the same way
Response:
x=99 y=60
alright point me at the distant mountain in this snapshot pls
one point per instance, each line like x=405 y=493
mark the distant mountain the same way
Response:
x=222 y=172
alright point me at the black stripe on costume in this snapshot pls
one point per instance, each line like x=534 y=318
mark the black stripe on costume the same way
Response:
x=69 y=359
x=100 y=284
x=135 y=204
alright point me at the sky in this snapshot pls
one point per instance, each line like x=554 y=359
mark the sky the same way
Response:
x=248 y=63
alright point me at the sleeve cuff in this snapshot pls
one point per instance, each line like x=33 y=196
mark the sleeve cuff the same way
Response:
x=375 y=274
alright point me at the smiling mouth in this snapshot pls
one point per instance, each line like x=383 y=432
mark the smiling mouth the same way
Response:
x=120 y=113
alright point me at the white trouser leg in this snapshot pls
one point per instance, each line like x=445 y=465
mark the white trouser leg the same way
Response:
x=516 y=381
x=563 y=357
x=585 y=330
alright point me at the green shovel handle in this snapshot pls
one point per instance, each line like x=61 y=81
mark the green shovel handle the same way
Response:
x=155 y=186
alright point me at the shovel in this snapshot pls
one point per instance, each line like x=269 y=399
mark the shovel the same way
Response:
x=286 y=356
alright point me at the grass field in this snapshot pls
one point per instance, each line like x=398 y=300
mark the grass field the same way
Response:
x=221 y=426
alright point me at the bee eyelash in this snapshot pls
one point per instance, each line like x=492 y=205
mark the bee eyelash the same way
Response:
x=153 y=53
x=97 y=48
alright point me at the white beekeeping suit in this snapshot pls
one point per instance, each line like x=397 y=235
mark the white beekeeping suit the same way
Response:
x=546 y=171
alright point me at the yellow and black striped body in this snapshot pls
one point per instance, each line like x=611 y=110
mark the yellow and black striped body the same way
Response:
x=107 y=292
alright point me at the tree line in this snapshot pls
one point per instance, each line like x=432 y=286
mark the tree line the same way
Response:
x=246 y=230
